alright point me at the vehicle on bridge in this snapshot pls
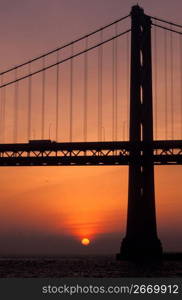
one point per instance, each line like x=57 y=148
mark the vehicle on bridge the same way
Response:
x=41 y=142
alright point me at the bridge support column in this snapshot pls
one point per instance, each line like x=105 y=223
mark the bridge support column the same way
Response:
x=141 y=239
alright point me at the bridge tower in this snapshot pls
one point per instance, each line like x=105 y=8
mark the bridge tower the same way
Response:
x=141 y=239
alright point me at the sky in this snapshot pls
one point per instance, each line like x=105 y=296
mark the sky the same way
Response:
x=48 y=210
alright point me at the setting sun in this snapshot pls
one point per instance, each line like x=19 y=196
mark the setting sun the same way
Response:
x=85 y=242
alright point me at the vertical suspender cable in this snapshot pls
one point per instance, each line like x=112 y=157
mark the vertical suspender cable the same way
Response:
x=1 y=115
x=127 y=88
x=2 y=128
x=85 y=92
x=29 y=103
x=180 y=41
x=165 y=84
x=115 y=104
x=100 y=62
x=15 y=131
x=57 y=96
x=43 y=98
x=172 y=88
x=155 y=81
x=116 y=78
x=71 y=95
x=113 y=91
x=4 y=114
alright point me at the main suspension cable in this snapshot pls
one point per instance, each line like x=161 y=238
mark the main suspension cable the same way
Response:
x=166 y=28
x=64 y=60
x=65 y=45
x=167 y=22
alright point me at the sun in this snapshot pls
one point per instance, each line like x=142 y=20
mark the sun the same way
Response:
x=85 y=241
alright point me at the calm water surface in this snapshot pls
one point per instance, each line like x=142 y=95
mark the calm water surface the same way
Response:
x=84 y=266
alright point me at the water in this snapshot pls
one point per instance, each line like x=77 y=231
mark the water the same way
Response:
x=84 y=266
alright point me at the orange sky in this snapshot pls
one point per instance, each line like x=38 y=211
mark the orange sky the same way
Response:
x=82 y=202
x=50 y=209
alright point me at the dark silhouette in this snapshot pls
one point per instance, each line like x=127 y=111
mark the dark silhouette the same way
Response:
x=141 y=152
x=141 y=239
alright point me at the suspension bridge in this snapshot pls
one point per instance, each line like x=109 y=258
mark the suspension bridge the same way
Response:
x=96 y=101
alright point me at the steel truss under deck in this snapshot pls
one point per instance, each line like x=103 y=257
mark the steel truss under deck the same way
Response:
x=87 y=153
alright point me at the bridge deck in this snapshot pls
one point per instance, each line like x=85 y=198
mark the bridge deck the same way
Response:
x=86 y=153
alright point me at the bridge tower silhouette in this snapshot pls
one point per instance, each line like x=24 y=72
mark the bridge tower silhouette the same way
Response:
x=141 y=236
x=40 y=93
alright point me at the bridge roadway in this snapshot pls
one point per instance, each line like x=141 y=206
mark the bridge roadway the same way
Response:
x=167 y=152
